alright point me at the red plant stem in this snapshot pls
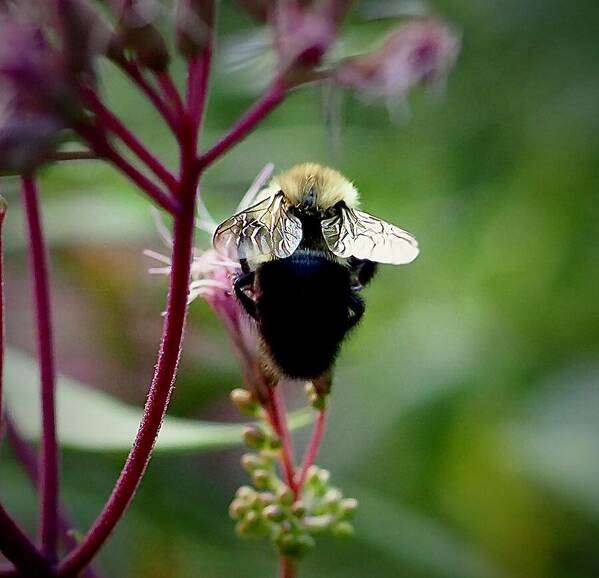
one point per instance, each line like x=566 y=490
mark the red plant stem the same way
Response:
x=278 y=420
x=104 y=149
x=134 y=73
x=146 y=185
x=162 y=383
x=111 y=121
x=254 y=115
x=25 y=454
x=49 y=446
x=171 y=92
x=313 y=446
x=287 y=566
x=198 y=75
x=19 y=549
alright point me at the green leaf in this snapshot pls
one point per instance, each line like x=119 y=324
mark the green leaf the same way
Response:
x=91 y=420
x=555 y=440
x=417 y=541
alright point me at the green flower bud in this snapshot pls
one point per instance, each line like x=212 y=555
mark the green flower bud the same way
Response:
x=254 y=437
x=242 y=528
x=245 y=492
x=312 y=475
x=285 y=495
x=317 y=401
x=274 y=513
x=343 y=530
x=305 y=543
x=237 y=509
x=243 y=400
x=332 y=497
x=275 y=443
x=348 y=507
x=261 y=479
x=266 y=498
x=324 y=476
x=251 y=462
x=252 y=517
x=298 y=509
x=295 y=545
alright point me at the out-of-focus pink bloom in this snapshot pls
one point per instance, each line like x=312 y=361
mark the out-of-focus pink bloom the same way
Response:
x=303 y=34
x=416 y=53
x=35 y=100
x=137 y=27
x=212 y=277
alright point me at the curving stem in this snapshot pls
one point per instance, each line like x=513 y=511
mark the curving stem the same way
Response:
x=160 y=389
x=273 y=96
x=48 y=529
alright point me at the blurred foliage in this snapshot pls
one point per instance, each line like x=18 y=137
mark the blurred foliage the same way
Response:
x=466 y=408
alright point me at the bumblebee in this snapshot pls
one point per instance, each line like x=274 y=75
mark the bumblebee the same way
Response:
x=306 y=251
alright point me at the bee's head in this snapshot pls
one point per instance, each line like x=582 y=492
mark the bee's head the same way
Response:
x=315 y=188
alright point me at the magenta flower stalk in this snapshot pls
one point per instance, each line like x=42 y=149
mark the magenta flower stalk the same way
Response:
x=131 y=69
x=48 y=529
x=112 y=123
x=256 y=114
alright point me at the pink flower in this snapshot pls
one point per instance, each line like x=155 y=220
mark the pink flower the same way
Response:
x=212 y=277
x=416 y=53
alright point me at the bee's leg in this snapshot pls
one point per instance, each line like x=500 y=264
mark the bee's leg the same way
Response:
x=245 y=267
x=243 y=282
x=362 y=271
x=356 y=310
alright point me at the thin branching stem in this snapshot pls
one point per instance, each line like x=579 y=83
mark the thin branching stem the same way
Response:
x=273 y=96
x=165 y=80
x=101 y=146
x=48 y=529
x=198 y=72
x=131 y=69
x=109 y=120
x=20 y=550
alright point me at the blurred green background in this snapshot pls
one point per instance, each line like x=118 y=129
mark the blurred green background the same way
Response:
x=465 y=413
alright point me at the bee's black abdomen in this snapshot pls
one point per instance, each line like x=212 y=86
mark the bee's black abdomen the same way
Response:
x=304 y=311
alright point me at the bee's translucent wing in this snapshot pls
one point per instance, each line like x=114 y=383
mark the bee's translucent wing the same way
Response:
x=265 y=229
x=357 y=234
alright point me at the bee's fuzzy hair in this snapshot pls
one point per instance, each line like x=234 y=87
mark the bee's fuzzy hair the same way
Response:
x=329 y=185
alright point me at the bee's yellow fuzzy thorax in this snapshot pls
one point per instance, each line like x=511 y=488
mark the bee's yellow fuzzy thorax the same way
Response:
x=327 y=184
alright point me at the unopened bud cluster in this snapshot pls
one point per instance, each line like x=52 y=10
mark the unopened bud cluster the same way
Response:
x=270 y=509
